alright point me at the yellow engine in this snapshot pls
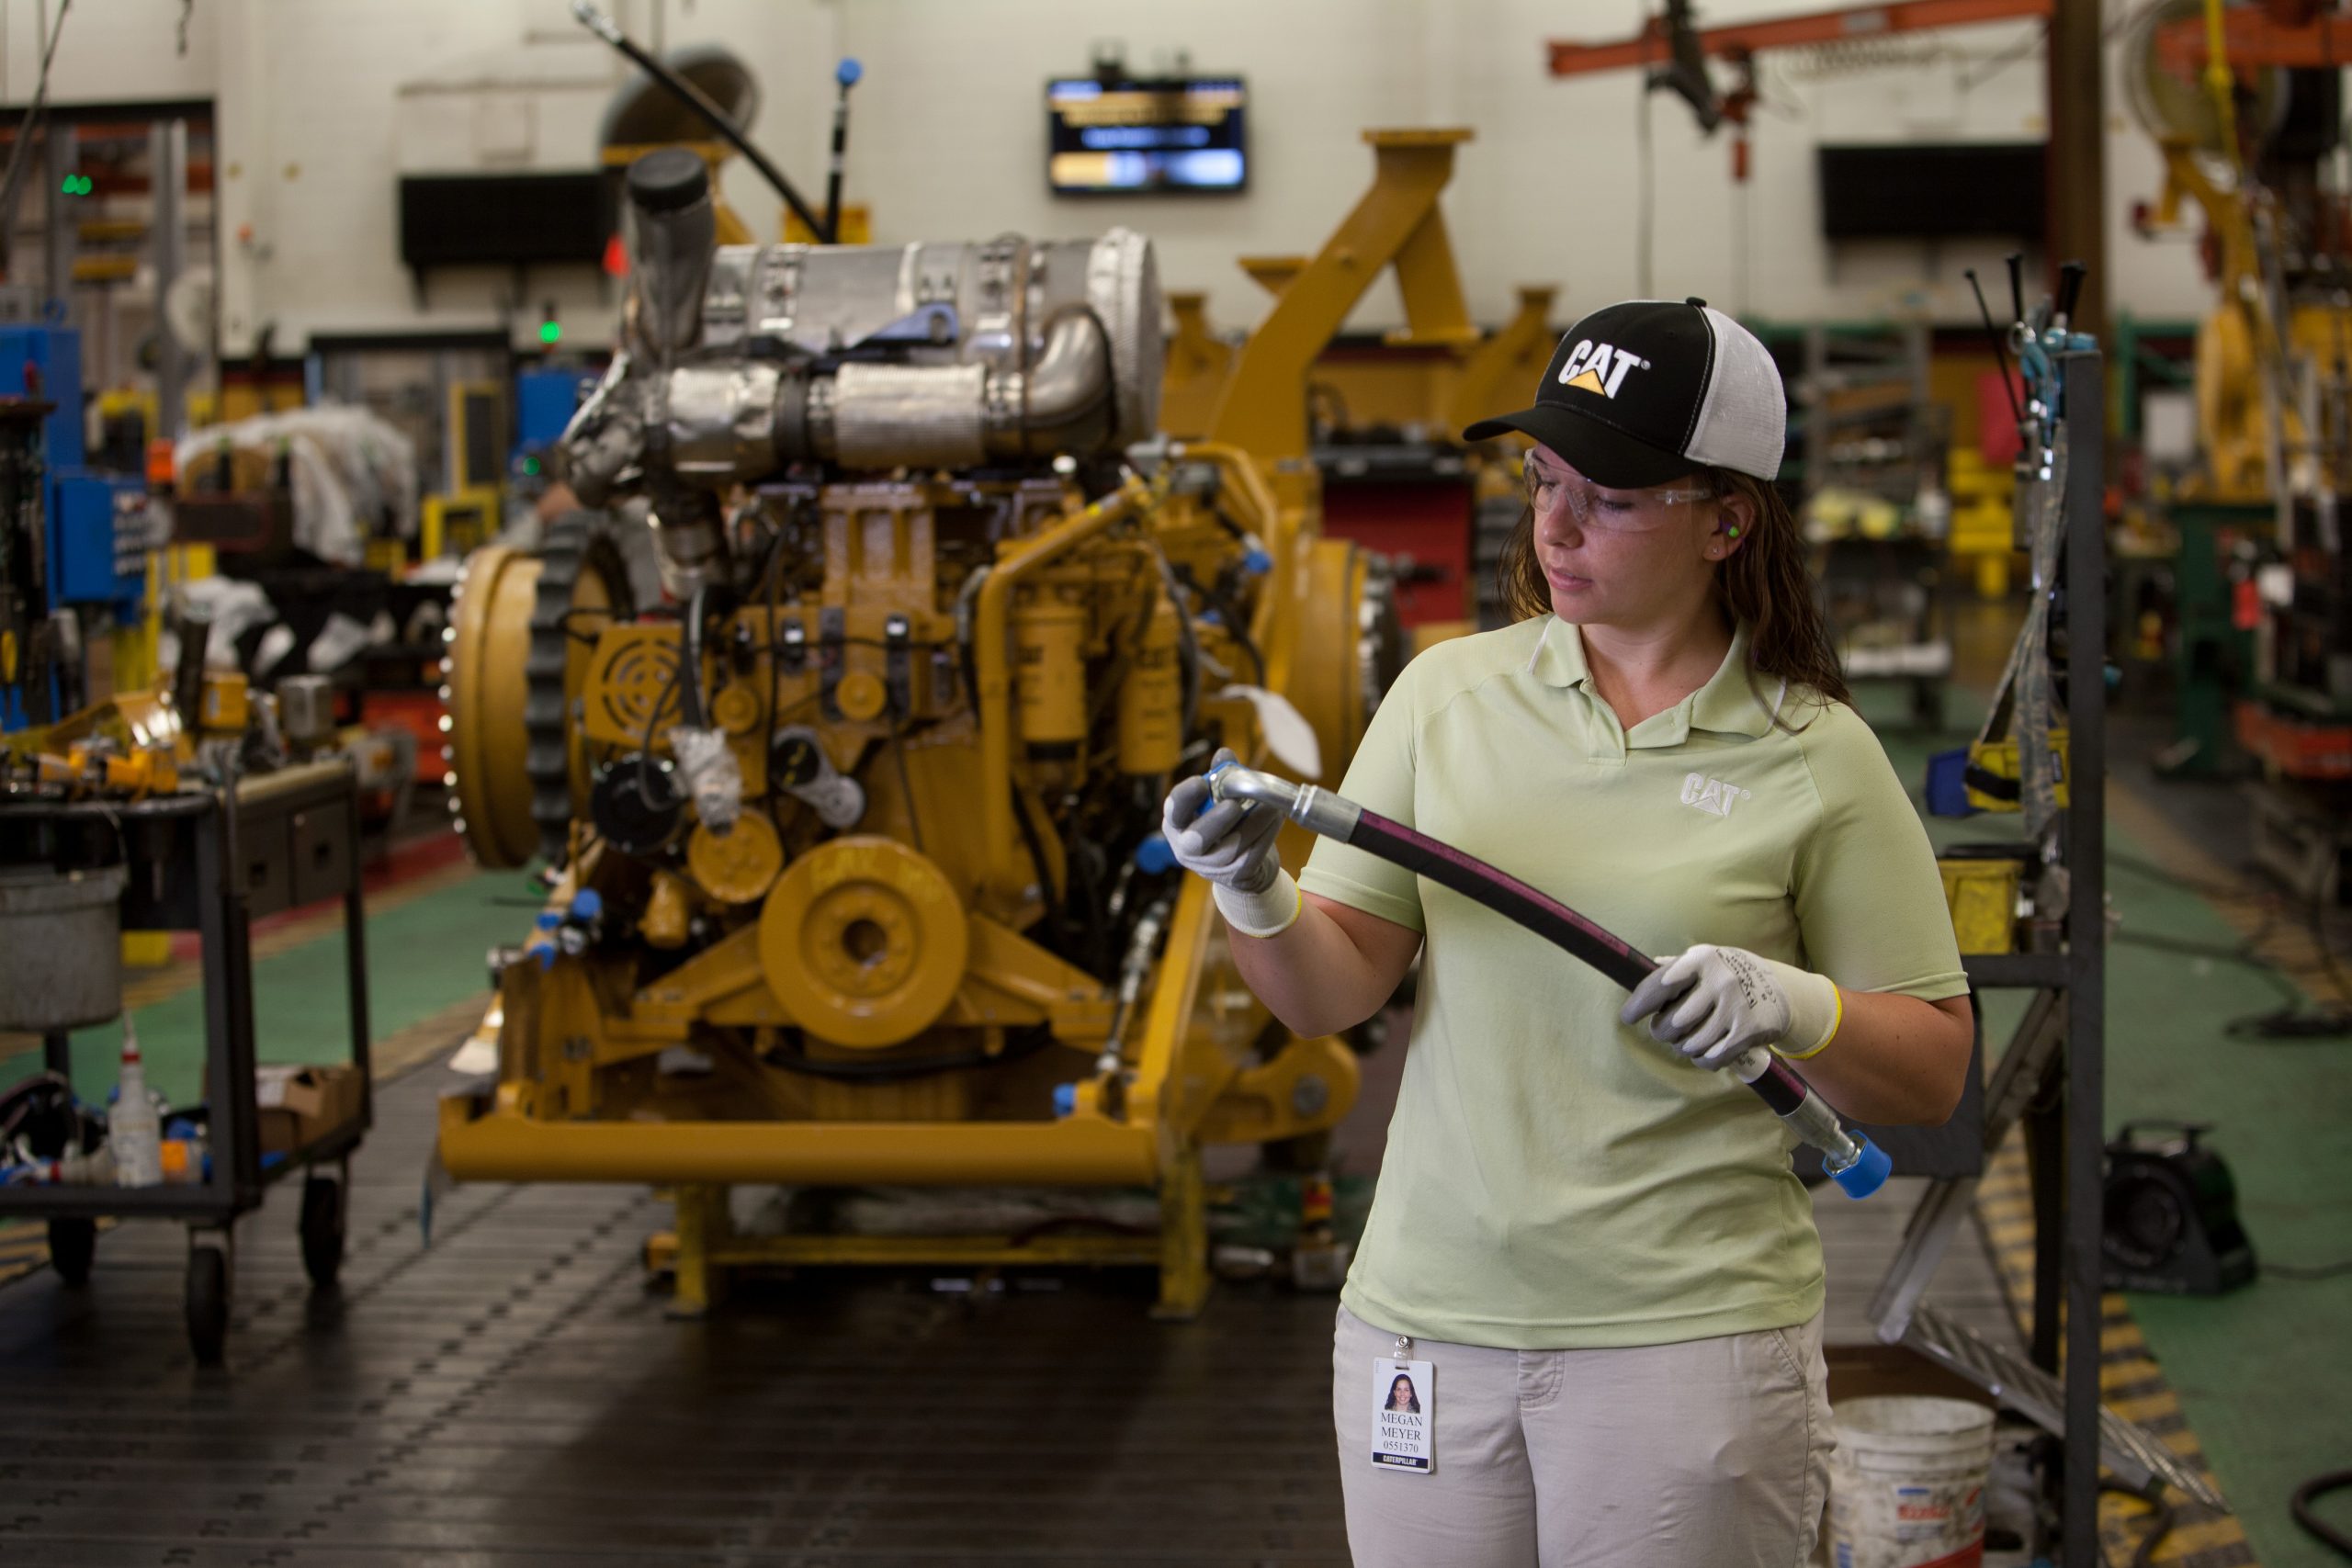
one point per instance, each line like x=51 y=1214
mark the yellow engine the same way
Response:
x=853 y=841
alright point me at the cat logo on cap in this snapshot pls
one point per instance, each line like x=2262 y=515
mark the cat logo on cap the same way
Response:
x=1598 y=368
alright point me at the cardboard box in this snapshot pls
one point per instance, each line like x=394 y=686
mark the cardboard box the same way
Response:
x=301 y=1105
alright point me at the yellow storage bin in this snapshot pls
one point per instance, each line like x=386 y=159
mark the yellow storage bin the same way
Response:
x=1982 y=894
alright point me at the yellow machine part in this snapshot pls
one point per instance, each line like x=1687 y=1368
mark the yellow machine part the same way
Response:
x=1151 y=699
x=740 y=865
x=225 y=707
x=2231 y=418
x=490 y=646
x=487 y=672
x=1397 y=223
x=2246 y=358
x=665 y=923
x=865 y=941
x=1326 y=681
x=1438 y=371
x=1049 y=644
x=457 y=524
x=911 y=998
x=1193 y=376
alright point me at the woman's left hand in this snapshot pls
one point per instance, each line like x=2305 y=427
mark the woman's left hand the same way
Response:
x=1712 y=1003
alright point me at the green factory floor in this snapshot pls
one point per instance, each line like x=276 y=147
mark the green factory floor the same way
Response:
x=426 y=954
x=2260 y=1373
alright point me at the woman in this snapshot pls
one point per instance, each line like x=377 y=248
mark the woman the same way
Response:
x=1401 y=1395
x=1598 y=1243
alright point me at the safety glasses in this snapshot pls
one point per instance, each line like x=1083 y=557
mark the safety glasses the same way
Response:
x=1552 y=488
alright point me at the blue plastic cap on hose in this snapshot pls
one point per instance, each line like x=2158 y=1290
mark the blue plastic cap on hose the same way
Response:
x=587 y=905
x=848 y=71
x=1257 y=562
x=1867 y=1173
x=1065 y=1100
x=1155 y=854
x=547 y=920
x=1211 y=801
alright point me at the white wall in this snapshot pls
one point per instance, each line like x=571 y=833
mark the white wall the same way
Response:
x=947 y=141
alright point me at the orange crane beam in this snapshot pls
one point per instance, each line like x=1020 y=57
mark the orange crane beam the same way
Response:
x=1649 y=47
x=2249 y=38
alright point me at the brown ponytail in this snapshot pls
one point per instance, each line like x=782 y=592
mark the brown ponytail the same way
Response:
x=1764 y=585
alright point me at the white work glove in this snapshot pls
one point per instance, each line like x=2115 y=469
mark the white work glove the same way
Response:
x=1232 y=844
x=1712 y=1003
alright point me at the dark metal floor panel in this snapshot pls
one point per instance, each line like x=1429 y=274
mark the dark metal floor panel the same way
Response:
x=514 y=1397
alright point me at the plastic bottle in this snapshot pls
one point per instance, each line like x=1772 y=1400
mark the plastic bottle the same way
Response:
x=134 y=1130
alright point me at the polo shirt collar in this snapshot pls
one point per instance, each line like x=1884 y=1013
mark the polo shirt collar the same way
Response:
x=1725 y=705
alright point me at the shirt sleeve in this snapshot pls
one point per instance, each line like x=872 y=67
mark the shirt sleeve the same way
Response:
x=1870 y=903
x=1380 y=779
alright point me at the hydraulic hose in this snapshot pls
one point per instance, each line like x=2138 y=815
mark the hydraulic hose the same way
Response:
x=1857 y=1165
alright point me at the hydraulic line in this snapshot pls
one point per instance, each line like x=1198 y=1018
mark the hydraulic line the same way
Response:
x=1857 y=1165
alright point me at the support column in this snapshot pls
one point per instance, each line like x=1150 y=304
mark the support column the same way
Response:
x=1183 y=1240
x=2077 y=158
x=61 y=148
x=167 y=232
x=703 y=1226
x=2086 y=843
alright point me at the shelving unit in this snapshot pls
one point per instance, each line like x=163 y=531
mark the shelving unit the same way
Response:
x=2050 y=1079
x=1871 y=429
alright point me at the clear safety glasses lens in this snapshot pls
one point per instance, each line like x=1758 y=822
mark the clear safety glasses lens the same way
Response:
x=1551 y=490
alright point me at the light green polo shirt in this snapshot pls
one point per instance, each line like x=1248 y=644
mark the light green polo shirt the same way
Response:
x=1554 y=1180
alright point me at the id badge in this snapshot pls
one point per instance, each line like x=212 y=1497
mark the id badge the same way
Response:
x=1404 y=1414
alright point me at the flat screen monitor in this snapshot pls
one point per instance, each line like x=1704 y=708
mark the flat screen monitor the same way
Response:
x=508 y=220
x=1146 y=137
x=1929 y=190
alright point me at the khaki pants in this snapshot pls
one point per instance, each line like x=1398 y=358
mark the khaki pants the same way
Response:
x=1714 y=1453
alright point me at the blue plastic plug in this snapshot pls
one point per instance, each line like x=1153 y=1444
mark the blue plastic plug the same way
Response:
x=1065 y=1100
x=1257 y=562
x=1154 y=855
x=587 y=905
x=1210 y=803
x=1867 y=1173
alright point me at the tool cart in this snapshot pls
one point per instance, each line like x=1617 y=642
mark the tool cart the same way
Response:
x=73 y=874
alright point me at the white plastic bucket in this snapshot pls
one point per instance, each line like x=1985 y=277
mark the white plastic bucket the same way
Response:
x=1907 y=1484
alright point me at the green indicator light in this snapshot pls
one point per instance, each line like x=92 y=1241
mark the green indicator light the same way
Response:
x=551 y=332
x=531 y=467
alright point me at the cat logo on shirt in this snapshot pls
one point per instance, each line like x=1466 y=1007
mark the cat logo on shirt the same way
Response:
x=1713 y=796
x=1598 y=368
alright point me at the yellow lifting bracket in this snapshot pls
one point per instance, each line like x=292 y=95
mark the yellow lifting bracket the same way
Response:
x=1397 y=223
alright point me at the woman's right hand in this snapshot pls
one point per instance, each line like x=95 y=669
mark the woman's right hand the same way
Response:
x=1231 y=844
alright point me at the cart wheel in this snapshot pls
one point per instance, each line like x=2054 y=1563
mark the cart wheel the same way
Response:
x=322 y=1230
x=208 y=1303
x=70 y=1244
